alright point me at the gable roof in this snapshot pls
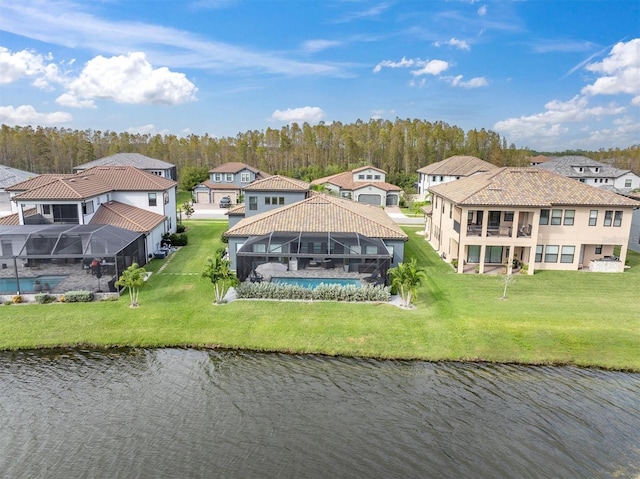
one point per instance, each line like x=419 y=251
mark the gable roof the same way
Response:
x=238 y=210
x=526 y=187
x=458 y=165
x=10 y=176
x=233 y=167
x=14 y=219
x=126 y=216
x=565 y=166
x=92 y=182
x=278 y=183
x=38 y=181
x=362 y=168
x=345 y=182
x=127 y=159
x=322 y=214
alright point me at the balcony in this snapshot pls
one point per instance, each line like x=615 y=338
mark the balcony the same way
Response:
x=524 y=231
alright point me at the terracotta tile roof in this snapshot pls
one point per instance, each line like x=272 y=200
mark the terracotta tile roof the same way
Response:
x=458 y=165
x=127 y=159
x=36 y=182
x=92 y=182
x=278 y=183
x=345 y=182
x=526 y=187
x=14 y=219
x=539 y=159
x=363 y=168
x=238 y=210
x=322 y=213
x=126 y=216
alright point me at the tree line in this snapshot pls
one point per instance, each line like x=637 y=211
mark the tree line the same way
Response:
x=304 y=151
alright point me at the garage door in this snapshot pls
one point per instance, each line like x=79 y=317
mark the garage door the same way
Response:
x=202 y=197
x=370 y=199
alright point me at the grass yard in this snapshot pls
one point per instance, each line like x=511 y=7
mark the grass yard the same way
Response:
x=587 y=319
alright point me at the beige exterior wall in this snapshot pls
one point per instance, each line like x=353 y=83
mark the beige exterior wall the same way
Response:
x=518 y=233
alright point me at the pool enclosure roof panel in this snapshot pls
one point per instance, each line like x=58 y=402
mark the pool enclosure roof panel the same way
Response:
x=65 y=240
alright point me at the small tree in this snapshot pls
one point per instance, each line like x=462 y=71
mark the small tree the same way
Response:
x=507 y=279
x=218 y=271
x=406 y=277
x=187 y=207
x=133 y=278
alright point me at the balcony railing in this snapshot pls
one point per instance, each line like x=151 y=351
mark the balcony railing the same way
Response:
x=524 y=231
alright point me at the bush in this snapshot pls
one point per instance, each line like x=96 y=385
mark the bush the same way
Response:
x=176 y=239
x=181 y=229
x=324 y=292
x=78 y=297
x=7 y=302
x=44 y=298
x=454 y=263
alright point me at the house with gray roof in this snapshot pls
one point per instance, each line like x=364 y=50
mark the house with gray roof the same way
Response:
x=227 y=180
x=594 y=173
x=449 y=169
x=141 y=162
x=10 y=176
x=528 y=216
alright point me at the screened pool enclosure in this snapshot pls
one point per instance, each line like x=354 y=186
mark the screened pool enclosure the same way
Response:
x=61 y=258
x=351 y=252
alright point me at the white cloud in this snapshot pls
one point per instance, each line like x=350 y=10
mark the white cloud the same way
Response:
x=310 y=114
x=621 y=70
x=313 y=46
x=433 y=67
x=73 y=102
x=551 y=121
x=418 y=84
x=404 y=63
x=27 y=115
x=149 y=129
x=482 y=11
x=27 y=64
x=473 y=83
x=454 y=42
x=127 y=79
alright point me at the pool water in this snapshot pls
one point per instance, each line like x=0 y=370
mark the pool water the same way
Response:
x=27 y=285
x=313 y=283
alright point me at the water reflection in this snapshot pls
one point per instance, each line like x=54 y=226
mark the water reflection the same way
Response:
x=185 y=413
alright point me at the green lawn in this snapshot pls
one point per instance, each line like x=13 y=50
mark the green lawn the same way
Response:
x=588 y=319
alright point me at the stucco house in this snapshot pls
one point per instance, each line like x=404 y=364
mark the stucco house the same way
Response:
x=364 y=185
x=226 y=180
x=539 y=218
x=320 y=231
x=449 y=169
x=121 y=196
x=10 y=176
x=594 y=173
x=141 y=162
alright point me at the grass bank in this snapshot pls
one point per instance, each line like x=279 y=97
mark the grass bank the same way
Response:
x=586 y=319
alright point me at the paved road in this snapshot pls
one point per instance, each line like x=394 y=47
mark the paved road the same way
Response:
x=205 y=211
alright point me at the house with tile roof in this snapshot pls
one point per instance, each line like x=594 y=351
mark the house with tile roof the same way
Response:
x=364 y=185
x=273 y=192
x=322 y=231
x=528 y=216
x=226 y=180
x=8 y=177
x=450 y=169
x=141 y=162
x=121 y=196
x=594 y=173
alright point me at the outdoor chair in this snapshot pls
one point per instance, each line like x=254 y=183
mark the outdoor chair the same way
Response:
x=255 y=277
x=375 y=276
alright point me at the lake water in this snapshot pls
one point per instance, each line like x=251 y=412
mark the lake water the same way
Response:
x=172 y=413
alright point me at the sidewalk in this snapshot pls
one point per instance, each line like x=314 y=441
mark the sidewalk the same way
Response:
x=399 y=217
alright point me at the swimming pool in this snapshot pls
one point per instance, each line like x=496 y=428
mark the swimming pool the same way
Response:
x=313 y=283
x=27 y=285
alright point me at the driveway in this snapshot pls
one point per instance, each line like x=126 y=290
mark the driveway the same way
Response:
x=399 y=217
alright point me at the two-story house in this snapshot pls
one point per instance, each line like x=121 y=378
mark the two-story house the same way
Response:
x=122 y=196
x=141 y=162
x=363 y=185
x=449 y=169
x=10 y=176
x=226 y=180
x=529 y=216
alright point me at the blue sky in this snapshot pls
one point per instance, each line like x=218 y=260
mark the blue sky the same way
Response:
x=549 y=75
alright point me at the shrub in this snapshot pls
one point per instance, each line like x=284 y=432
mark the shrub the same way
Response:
x=179 y=239
x=181 y=229
x=44 y=298
x=17 y=299
x=324 y=292
x=8 y=302
x=454 y=263
x=78 y=296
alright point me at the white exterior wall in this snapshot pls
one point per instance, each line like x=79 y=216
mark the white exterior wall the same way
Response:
x=425 y=181
x=620 y=181
x=371 y=172
x=371 y=190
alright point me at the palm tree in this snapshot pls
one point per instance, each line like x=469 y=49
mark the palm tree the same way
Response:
x=133 y=278
x=218 y=270
x=406 y=277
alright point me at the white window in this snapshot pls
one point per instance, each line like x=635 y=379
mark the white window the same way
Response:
x=245 y=178
x=567 y=254
x=217 y=177
x=152 y=199
x=627 y=183
x=229 y=177
x=551 y=254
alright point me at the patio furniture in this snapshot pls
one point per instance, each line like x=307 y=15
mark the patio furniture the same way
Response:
x=255 y=277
